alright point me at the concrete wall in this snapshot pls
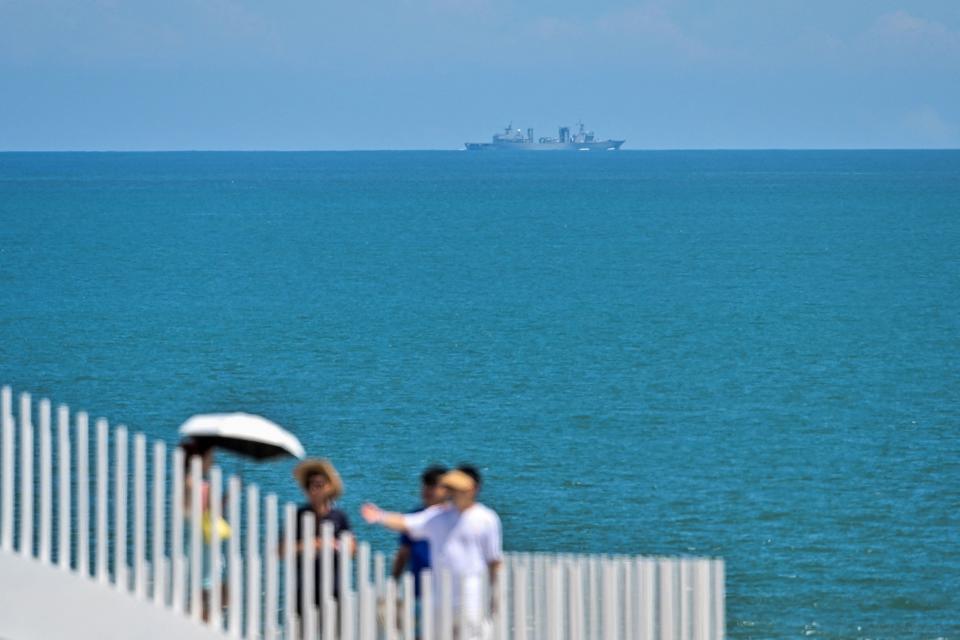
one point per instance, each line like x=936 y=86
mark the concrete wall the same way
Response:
x=40 y=602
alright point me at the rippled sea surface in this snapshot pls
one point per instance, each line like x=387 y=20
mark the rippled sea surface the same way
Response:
x=753 y=355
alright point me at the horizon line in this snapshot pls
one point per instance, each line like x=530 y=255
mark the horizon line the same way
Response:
x=435 y=150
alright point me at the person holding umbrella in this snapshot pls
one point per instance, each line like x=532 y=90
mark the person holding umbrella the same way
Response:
x=245 y=434
x=199 y=447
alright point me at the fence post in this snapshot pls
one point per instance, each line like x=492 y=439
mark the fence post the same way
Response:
x=555 y=595
x=177 y=580
x=719 y=600
x=270 y=578
x=26 y=477
x=83 y=494
x=329 y=618
x=363 y=591
x=289 y=571
x=537 y=594
x=195 y=538
x=370 y=614
x=593 y=597
x=64 y=550
x=686 y=587
x=701 y=600
x=520 y=572
x=215 y=614
x=379 y=563
x=446 y=605
x=499 y=601
x=140 y=515
x=346 y=593
x=646 y=581
x=582 y=565
x=389 y=610
x=409 y=601
x=668 y=599
x=568 y=570
x=6 y=470
x=46 y=480
x=427 y=605
x=120 y=510
x=234 y=562
x=461 y=615
x=308 y=618
x=253 y=562
x=379 y=579
x=158 y=555
x=629 y=617
x=609 y=599
x=102 y=504
x=326 y=575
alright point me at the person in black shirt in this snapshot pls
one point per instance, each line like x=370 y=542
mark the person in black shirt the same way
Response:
x=321 y=484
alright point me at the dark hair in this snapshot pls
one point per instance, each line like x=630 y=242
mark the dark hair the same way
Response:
x=431 y=475
x=471 y=471
x=194 y=447
x=314 y=474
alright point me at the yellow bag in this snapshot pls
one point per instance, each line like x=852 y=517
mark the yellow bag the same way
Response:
x=223 y=528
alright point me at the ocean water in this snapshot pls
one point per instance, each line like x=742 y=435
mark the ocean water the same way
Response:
x=753 y=355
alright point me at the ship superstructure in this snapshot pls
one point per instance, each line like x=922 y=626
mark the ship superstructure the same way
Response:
x=515 y=140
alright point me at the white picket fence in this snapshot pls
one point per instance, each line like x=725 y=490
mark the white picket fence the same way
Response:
x=159 y=557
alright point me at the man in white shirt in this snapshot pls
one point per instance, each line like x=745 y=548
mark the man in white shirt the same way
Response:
x=465 y=540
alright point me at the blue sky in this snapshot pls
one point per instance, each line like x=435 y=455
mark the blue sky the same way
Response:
x=297 y=74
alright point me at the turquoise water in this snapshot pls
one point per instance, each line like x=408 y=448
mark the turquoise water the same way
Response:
x=751 y=355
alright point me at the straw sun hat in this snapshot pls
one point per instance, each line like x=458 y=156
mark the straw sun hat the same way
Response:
x=307 y=468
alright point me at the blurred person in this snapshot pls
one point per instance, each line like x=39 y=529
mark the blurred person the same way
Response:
x=321 y=486
x=465 y=540
x=193 y=447
x=414 y=555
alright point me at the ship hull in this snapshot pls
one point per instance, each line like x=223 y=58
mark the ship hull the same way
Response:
x=598 y=145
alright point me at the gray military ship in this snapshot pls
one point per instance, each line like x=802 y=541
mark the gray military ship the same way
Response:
x=514 y=140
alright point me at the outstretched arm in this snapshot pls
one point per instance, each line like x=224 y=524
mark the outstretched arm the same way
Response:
x=373 y=514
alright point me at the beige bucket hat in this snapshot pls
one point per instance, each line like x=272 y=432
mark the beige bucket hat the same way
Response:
x=457 y=480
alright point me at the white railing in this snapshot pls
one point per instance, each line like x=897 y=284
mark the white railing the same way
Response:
x=46 y=515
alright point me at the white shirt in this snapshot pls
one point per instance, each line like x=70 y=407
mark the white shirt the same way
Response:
x=462 y=543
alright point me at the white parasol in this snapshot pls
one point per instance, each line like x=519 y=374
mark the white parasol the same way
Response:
x=243 y=433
